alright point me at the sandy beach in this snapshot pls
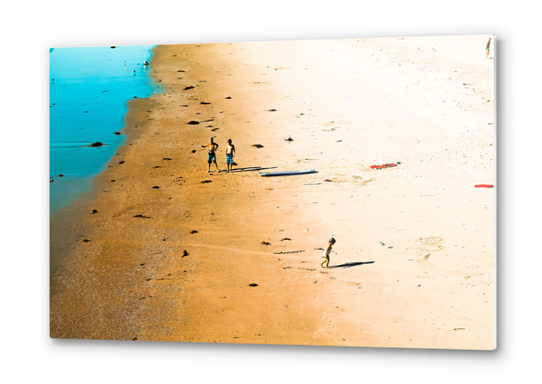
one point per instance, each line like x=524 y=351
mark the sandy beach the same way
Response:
x=161 y=250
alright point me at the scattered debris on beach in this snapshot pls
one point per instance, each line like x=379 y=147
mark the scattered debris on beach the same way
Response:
x=271 y=110
x=117 y=133
x=167 y=158
x=206 y=181
x=265 y=243
x=257 y=145
x=96 y=144
x=283 y=253
x=142 y=216
x=253 y=285
x=286 y=239
x=185 y=253
x=189 y=87
x=204 y=103
x=289 y=139
x=85 y=240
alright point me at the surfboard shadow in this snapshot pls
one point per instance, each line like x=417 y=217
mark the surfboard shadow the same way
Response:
x=353 y=264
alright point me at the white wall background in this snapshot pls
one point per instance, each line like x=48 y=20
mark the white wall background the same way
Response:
x=29 y=28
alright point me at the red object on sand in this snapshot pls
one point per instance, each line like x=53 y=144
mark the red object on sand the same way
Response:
x=383 y=166
x=483 y=186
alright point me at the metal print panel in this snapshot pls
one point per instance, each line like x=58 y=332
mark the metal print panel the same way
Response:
x=326 y=192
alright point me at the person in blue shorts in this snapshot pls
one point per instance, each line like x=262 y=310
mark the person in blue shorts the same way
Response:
x=211 y=158
x=230 y=151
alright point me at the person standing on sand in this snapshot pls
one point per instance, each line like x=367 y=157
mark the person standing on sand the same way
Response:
x=487 y=47
x=327 y=251
x=230 y=151
x=211 y=158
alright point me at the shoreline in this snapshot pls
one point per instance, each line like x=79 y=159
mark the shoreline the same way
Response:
x=73 y=165
x=130 y=281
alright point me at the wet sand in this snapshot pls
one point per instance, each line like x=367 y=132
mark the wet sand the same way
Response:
x=176 y=254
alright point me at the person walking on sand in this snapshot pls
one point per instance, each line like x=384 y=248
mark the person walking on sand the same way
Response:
x=327 y=251
x=230 y=151
x=211 y=158
x=487 y=47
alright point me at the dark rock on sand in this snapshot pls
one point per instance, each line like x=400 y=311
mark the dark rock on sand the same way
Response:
x=265 y=243
x=193 y=151
x=253 y=285
x=206 y=181
x=141 y=216
x=194 y=232
x=193 y=122
x=117 y=133
x=121 y=162
x=185 y=253
x=204 y=103
x=167 y=158
x=94 y=211
x=228 y=98
x=96 y=144
x=257 y=145
x=156 y=187
x=189 y=87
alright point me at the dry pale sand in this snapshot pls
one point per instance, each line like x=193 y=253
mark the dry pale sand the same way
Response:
x=414 y=261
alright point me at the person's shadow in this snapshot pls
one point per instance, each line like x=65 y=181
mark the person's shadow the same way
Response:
x=250 y=169
x=352 y=264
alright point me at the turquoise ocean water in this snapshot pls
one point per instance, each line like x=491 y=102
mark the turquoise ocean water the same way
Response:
x=89 y=91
